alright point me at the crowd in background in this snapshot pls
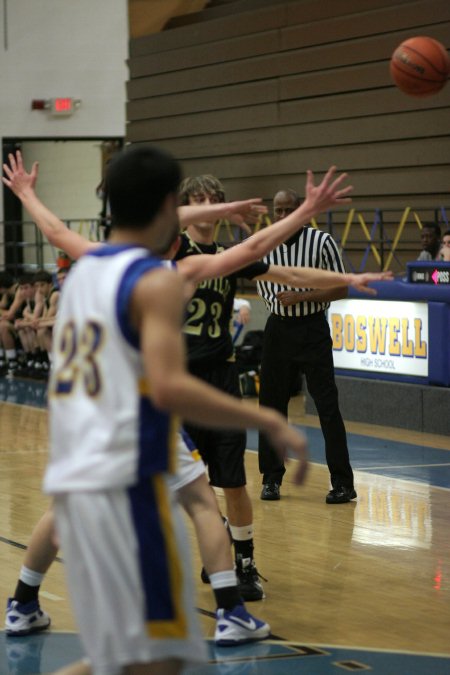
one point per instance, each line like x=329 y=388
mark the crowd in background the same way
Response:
x=28 y=309
x=29 y=304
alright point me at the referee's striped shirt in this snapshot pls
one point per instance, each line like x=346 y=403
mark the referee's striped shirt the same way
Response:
x=308 y=248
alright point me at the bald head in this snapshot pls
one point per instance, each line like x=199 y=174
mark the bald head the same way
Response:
x=284 y=203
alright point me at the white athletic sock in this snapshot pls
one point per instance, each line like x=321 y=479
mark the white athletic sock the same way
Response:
x=11 y=354
x=223 y=579
x=242 y=533
x=30 y=577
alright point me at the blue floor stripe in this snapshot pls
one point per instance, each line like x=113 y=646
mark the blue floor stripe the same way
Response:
x=388 y=458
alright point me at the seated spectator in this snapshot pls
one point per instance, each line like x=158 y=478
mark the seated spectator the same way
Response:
x=10 y=304
x=23 y=323
x=445 y=247
x=46 y=305
x=241 y=317
x=241 y=311
x=61 y=274
x=8 y=287
x=430 y=237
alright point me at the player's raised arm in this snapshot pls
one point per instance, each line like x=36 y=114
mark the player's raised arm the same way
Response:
x=239 y=212
x=318 y=198
x=23 y=184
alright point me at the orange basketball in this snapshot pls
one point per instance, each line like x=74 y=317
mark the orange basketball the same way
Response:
x=420 y=66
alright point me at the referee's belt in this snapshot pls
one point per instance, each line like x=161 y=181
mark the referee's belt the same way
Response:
x=306 y=317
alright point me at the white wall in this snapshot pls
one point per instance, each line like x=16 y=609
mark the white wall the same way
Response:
x=51 y=48
x=69 y=172
x=64 y=48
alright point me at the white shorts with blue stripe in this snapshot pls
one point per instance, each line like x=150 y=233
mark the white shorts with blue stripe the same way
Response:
x=128 y=569
x=189 y=463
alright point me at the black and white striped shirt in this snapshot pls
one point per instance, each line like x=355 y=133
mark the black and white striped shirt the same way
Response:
x=308 y=248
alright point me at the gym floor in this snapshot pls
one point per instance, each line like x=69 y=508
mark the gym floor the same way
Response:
x=363 y=586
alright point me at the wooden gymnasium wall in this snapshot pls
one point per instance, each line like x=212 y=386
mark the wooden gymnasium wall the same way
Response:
x=257 y=91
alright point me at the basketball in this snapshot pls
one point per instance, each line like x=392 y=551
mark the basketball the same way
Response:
x=420 y=66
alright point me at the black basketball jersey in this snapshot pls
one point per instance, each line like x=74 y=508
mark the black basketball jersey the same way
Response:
x=209 y=312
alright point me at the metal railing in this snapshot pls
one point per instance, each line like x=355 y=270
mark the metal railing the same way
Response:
x=23 y=247
x=379 y=239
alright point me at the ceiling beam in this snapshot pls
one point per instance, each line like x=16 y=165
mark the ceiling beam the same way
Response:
x=150 y=16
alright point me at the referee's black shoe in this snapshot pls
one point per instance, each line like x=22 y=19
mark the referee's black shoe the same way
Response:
x=271 y=492
x=340 y=495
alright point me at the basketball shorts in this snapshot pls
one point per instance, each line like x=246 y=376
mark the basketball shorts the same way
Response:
x=222 y=450
x=127 y=564
x=189 y=462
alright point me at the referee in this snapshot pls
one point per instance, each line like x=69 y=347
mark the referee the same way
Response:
x=297 y=340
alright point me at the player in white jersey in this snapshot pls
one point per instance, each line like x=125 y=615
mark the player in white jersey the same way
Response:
x=110 y=457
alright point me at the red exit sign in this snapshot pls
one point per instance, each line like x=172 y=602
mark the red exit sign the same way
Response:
x=62 y=106
x=57 y=106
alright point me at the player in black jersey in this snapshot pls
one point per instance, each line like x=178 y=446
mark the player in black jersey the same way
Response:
x=211 y=358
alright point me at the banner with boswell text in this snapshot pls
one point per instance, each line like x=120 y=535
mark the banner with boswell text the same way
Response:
x=379 y=336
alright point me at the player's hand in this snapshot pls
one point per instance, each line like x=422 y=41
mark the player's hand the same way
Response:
x=328 y=193
x=17 y=178
x=361 y=281
x=285 y=439
x=244 y=212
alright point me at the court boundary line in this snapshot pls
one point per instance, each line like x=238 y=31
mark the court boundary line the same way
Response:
x=401 y=466
x=23 y=547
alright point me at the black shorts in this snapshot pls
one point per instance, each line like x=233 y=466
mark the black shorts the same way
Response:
x=222 y=450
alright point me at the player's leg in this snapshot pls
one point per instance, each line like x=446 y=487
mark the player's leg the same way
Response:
x=200 y=503
x=240 y=520
x=227 y=471
x=23 y=612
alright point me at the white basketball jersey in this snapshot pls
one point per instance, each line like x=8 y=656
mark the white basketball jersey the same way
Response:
x=104 y=430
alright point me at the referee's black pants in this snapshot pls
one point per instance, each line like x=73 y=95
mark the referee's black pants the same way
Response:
x=293 y=345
